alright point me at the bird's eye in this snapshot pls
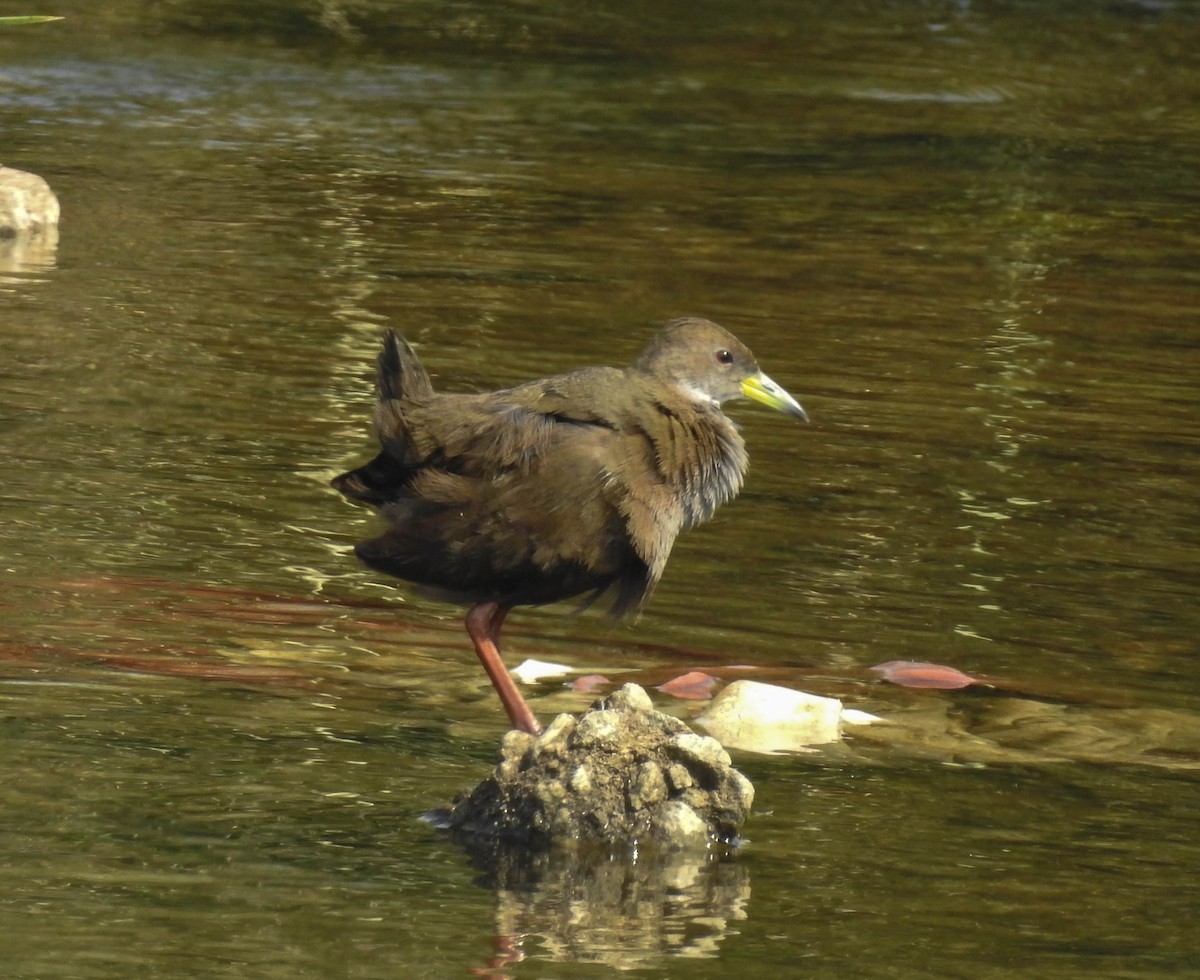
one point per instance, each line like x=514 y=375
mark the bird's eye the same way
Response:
x=724 y=357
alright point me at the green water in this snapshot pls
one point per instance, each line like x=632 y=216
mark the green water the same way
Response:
x=965 y=236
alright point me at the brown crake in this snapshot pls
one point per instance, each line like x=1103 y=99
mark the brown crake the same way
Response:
x=565 y=486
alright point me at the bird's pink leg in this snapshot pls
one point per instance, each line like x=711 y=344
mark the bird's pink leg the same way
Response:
x=483 y=626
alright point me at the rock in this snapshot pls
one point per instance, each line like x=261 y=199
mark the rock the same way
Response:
x=620 y=773
x=853 y=716
x=27 y=205
x=765 y=718
x=532 y=671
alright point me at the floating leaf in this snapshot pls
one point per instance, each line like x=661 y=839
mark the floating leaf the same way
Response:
x=29 y=19
x=913 y=673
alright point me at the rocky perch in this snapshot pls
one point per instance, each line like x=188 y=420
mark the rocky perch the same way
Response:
x=620 y=772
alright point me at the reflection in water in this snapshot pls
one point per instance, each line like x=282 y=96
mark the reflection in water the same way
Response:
x=24 y=256
x=623 y=910
x=1010 y=359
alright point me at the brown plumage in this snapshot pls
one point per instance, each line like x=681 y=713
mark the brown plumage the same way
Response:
x=565 y=486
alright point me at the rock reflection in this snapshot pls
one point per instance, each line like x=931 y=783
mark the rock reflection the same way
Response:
x=625 y=910
x=28 y=254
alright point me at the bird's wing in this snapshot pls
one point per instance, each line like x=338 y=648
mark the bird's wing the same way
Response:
x=549 y=475
x=482 y=436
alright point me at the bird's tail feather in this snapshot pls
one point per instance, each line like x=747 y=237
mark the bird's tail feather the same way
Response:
x=401 y=374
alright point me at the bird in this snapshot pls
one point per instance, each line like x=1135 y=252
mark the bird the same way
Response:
x=575 y=485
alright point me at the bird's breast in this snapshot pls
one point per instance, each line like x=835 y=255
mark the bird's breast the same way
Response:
x=705 y=461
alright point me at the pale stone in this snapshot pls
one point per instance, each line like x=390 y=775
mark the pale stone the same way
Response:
x=532 y=671
x=765 y=718
x=27 y=205
x=678 y=825
x=649 y=786
x=559 y=729
x=599 y=729
x=700 y=748
x=581 y=780
x=630 y=697
x=852 y=716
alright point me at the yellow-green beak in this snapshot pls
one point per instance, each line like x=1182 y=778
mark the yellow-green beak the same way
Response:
x=762 y=389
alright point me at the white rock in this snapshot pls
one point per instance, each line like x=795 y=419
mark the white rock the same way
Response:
x=852 y=716
x=532 y=671
x=765 y=718
x=27 y=205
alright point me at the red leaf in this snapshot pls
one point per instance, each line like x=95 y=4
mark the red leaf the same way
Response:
x=695 y=685
x=912 y=673
x=589 y=683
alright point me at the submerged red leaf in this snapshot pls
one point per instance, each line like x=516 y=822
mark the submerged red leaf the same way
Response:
x=695 y=685
x=589 y=683
x=912 y=673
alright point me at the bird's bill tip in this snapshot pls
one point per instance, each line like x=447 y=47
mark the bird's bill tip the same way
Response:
x=760 y=388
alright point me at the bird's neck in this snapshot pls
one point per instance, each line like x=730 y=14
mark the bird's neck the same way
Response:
x=703 y=457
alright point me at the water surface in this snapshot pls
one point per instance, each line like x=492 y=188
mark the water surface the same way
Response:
x=964 y=236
